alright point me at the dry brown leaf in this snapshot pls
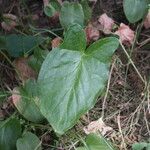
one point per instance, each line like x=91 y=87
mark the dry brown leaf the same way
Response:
x=96 y=126
x=45 y=2
x=125 y=34
x=24 y=70
x=107 y=23
x=92 y=33
x=10 y=22
x=56 y=42
x=15 y=96
x=10 y=16
x=147 y=21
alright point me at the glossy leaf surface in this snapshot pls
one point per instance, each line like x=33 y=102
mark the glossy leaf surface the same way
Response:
x=29 y=141
x=70 y=81
x=141 y=146
x=18 y=45
x=10 y=131
x=87 y=10
x=96 y=142
x=71 y=13
x=74 y=38
x=135 y=9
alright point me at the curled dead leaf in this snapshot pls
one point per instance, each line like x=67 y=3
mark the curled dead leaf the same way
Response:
x=10 y=16
x=96 y=126
x=147 y=21
x=24 y=70
x=10 y=22
x=92 y=33
x=15 y=96
x=56 y=42
x=125 y=34
x=107 y=23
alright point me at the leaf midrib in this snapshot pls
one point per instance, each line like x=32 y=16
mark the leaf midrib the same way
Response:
x=73 y=85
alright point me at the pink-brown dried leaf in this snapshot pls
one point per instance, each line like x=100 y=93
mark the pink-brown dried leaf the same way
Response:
x=56 y=42
x=107 y=23
x=125 y=34
x=24 y=70
x=92 y=33
x=10 y=22
x=15 y=96
x=97 y=126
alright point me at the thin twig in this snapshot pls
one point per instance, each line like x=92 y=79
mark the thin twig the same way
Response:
x=119 y=126
x=107 y=90
x=130 y=60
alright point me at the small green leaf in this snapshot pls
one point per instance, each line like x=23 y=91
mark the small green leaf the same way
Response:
x=135 y=9
x=29 y=141
x=49 y=10
x=141 y=146
x=26 y=105
x=36 y=60
x=52 y=8
x=10 y=131
x=75 y=38
x=96 y=142
x=71 y=13
x=70 y=82
x=87 y=10
x=18 y=45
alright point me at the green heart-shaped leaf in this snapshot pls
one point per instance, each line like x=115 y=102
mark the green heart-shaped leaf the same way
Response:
x=96 y=142
x=26 y=104
x=52 y=8
x=71 y=13
x=18 y=45
x=35 y=61
x=74 y=38
x=135 y=9
x=29 y=141
x=70 y=81
x=10 y=131
x=141 y=146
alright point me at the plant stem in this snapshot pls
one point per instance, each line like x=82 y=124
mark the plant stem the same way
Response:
x=107 y=90
x=130 y=60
